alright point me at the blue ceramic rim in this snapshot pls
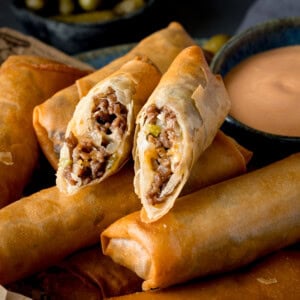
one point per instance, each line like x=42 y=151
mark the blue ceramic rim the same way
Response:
x=272 y=26
x=24 y=11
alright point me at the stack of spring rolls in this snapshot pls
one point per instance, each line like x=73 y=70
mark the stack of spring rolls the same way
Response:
x=160 y=106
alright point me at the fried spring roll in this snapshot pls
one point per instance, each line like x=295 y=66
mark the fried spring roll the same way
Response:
x=25 y=81
x=275 y=277
x=48 y=226
x=175 y=126
x=88 y=272
x=51 y=118
x=42 y=229
x=217 y=229
x=223 y=159
x=99 y=136
x=161 y=47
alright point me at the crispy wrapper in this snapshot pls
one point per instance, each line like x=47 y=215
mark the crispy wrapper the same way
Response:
x=223 y=159
x=42 y=229
x=217 y=229
x=51 y=118
x=175 y=126
x=88 y=274
x=161 y=47
x=25 y=81
x=99 y=136
x=275 y=277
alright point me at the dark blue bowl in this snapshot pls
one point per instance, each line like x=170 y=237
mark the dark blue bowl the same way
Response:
x=265 y=36
x=75 y=38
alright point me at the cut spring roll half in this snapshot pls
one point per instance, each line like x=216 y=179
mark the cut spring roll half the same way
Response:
x=175 y=126
x=51 y=118
x=99 y=136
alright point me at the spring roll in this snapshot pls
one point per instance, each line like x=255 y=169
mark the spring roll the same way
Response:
x=87 y=272
x=42 y=229
x=223 y=159
x=175 y=126
x=25 y=81
x=217 y=229
x=161 y=47
x=51 y=117
x=99 y=136
x=275 y=277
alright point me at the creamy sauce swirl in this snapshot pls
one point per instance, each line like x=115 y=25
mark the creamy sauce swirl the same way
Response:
x=265 y=91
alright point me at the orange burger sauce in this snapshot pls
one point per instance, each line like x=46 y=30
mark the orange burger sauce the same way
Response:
x=265 y=91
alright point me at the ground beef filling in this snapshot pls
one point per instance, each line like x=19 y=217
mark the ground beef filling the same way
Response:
x=162 y=142
x=89 y=161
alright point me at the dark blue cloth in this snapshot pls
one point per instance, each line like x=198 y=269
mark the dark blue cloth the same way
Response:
x=263 y=10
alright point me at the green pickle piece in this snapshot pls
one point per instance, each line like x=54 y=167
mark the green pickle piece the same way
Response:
x=153 y=129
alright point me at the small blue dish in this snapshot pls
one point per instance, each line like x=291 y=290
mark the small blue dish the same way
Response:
x=74 y=38
x=272 y=34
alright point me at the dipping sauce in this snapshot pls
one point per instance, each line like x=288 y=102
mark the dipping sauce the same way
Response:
x=265 y=91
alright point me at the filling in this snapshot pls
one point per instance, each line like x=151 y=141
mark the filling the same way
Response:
x=89 y=160
x=163 y=134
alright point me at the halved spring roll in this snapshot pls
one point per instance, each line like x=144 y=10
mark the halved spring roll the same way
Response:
x=99 y=136
x=25 y=81
x=175 y=126
x=217 y=229
x=40 y=230
x=51 y=117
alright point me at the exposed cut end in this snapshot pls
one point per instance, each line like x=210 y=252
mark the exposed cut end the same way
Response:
x=94 y=139
x=160 y=144
x=90 y=159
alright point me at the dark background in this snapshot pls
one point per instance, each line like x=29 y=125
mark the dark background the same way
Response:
x=201 y=19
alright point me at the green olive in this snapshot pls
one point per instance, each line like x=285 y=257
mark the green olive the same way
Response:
x=128 y=6
x=35 y=4
x=66 y=7
x=87 y=17
x=89 y=5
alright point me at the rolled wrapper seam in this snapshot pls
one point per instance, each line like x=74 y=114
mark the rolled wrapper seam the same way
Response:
x=214 y=230
x=274 y=277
